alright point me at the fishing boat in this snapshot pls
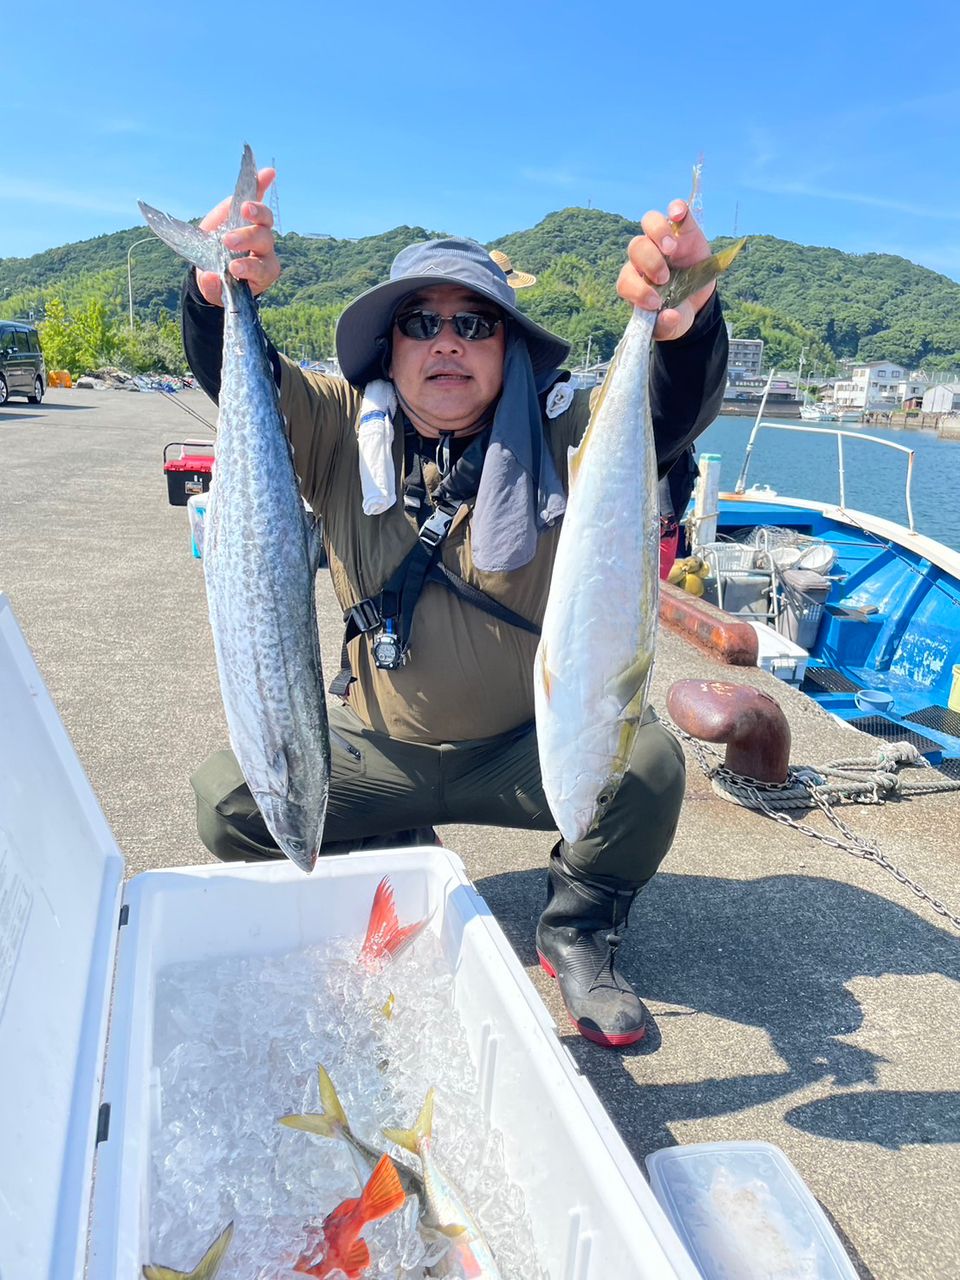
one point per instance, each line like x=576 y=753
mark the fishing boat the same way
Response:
x=816 y=413
x=878 y=607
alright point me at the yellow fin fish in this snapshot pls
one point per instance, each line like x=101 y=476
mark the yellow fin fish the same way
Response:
x=206 y=1268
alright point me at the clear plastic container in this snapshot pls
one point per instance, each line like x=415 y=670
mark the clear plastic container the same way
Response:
x=197 y=513
x=744 y=1213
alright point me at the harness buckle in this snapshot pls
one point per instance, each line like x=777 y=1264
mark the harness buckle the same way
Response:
x=365 y=615
x=434 y=528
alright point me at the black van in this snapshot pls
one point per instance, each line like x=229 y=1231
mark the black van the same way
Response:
x=22 y=371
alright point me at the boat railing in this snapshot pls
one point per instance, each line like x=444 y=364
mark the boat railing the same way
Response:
x=840 y=437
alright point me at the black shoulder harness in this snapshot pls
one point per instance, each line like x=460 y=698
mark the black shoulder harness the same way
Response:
x=389 y=613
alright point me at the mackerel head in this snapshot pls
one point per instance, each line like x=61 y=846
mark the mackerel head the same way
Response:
x=260 y=556
x=595 y=657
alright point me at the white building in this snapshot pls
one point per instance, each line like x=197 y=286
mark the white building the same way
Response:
x=944 y=398
x=872 y=386
x=912 y=387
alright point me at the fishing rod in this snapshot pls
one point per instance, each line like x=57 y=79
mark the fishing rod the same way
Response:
x=187 y=409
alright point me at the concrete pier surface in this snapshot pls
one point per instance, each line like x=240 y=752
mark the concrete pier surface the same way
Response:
x=800 y=995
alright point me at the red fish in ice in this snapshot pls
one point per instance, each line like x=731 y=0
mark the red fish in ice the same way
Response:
x=338 y=1247
x=386 y=937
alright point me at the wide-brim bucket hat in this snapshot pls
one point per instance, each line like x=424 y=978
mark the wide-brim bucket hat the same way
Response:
x=363 y=331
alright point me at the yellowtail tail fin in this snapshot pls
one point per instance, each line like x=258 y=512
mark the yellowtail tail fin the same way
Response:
x=411 y=1139
x=206 y=1268
x=331 y=1121
x=686 y=280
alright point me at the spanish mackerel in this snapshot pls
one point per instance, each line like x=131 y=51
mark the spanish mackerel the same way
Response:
x=260 y=557
x=595 y=657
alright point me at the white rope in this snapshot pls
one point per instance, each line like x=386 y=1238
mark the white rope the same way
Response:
x=871 y=780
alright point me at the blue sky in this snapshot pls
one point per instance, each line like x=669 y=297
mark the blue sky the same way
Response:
x=823 y=124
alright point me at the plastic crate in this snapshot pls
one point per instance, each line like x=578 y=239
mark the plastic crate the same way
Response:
x=727 y=557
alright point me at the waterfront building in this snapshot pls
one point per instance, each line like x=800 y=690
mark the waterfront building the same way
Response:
x=873 y=386
x=912 y=388
x=745 y=358
x=944 y=398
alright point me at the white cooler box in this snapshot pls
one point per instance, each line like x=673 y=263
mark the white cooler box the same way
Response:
x=779 y=655
x=75 y=1113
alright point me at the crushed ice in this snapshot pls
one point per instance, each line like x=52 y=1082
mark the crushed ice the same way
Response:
x=237 y=1044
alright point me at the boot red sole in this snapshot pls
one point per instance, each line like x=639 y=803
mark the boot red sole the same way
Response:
x=588 y=1033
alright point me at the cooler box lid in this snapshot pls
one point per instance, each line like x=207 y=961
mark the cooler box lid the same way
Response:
x=190 y=462
x=61 y=879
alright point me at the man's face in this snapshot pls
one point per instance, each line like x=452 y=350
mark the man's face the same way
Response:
x=447 y=381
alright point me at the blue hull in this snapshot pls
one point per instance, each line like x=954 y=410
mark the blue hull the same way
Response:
x=891 y=624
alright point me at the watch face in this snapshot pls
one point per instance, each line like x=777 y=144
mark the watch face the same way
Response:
x=386 y=652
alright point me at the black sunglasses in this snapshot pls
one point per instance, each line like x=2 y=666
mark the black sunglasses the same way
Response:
x=472 y=326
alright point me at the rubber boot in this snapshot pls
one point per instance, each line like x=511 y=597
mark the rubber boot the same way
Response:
x=577 y=940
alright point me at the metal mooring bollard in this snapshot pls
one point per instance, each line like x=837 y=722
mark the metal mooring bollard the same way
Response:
x=749 y=722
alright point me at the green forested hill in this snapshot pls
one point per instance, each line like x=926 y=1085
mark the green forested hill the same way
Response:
x=833 y=305
x=862 y=306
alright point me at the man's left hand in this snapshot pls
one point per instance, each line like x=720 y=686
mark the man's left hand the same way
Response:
x=649 y=260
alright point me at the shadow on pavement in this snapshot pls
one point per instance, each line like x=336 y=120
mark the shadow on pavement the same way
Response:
x=892 y=1120
x=31 y=411
x=774 y=953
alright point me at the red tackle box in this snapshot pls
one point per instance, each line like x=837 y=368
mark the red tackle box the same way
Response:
x=189 y=472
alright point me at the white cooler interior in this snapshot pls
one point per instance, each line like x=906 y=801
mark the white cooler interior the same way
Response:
x=592 y=1212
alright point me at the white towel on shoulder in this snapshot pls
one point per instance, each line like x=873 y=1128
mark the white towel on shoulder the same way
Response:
x=378 y=479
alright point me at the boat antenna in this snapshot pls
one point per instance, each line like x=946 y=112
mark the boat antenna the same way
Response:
x=742 y=477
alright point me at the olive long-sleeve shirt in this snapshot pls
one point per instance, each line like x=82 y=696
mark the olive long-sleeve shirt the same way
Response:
x=468 y=675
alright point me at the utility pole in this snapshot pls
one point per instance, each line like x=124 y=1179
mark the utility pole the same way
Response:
x=736 y=219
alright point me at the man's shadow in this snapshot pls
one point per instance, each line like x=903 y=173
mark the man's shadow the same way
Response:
x=773 y=953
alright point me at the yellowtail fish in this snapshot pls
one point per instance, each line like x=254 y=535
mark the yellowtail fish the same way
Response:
x=331 y=1122
x=595 y=657
x=446 y=1212
x=206 y=1268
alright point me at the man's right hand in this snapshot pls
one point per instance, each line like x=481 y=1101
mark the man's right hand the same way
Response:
x=261 y=267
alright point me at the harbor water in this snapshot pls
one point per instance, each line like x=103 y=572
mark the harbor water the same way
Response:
x=800 y=465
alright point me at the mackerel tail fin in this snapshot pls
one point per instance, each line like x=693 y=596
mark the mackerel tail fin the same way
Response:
x=687 y=280
x=205 y=248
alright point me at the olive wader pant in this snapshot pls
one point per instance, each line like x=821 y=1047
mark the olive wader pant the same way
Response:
x=381 y=785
